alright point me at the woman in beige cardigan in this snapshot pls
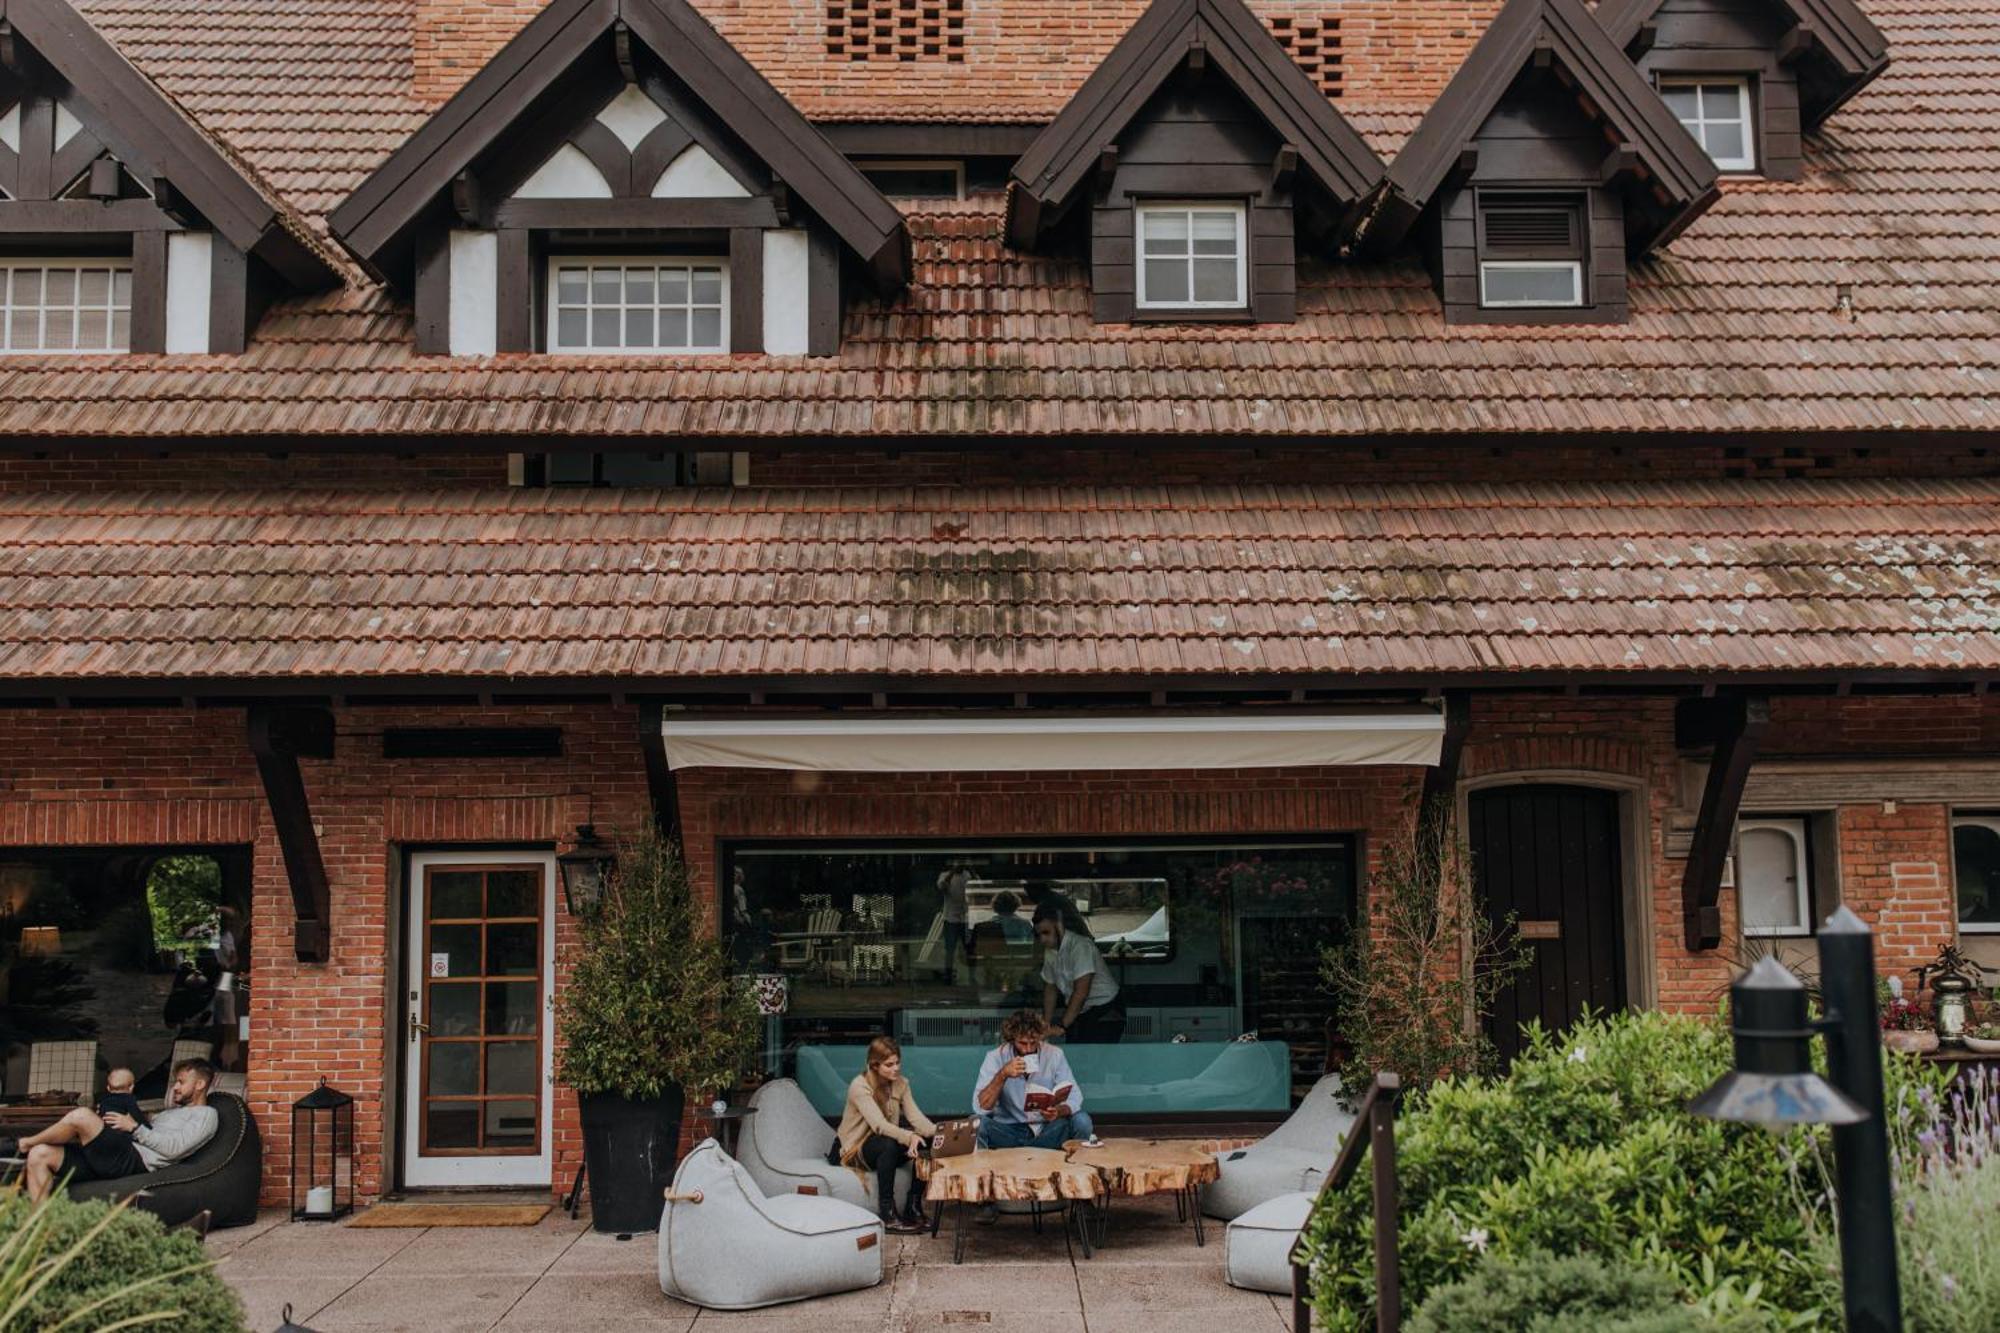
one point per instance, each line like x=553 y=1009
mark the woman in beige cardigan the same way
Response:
x=873 y=1133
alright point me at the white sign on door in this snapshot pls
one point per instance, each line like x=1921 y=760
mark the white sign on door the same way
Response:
x=440 y=964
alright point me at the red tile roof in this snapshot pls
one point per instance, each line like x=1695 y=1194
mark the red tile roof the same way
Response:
x=1752 y=579
x=1736 y=327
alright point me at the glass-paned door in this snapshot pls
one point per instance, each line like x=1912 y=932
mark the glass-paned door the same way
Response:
x=476 y=1044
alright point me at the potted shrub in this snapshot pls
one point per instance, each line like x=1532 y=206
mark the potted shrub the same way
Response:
x=1905 y=1025
x=650 y=1013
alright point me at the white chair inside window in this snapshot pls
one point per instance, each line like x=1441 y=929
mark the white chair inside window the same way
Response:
x=63 y=1066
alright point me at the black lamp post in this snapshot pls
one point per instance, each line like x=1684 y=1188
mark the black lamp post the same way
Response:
x=586 y=871
x=1773 y=1085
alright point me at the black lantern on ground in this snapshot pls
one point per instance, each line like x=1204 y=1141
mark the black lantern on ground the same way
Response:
x=586 y=871
x=1773 y=1085
x=322 y=1155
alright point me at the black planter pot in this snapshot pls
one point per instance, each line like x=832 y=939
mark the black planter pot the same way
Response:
x=629 y=1147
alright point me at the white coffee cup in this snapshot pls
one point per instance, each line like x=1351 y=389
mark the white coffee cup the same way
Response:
x=1033 y=1063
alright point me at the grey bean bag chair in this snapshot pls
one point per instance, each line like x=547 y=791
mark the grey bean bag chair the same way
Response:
x=1293 y=1157
x=784 y=1148
x=1257 y=1246
x=725 y=1246
x=223 y=1177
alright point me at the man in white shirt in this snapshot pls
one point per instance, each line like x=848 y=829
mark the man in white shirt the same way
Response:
x=1074 y=973
x=84 y=1146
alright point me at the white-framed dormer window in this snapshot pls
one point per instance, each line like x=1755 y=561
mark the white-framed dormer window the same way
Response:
x=1192 y=256
x=65 y=305
x=1773 y=876
x=1716 y=111
x=926 y=179
x=1975 y=866
x=633 y=305
x=1531 y=248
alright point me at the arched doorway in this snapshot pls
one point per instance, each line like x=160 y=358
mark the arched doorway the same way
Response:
x=1551 y=854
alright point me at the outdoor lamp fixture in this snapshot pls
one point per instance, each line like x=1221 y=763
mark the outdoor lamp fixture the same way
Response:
x=1773 y=1085
x=586 y=871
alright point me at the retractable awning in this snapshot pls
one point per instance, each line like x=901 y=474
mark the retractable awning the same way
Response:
x=1008 y=743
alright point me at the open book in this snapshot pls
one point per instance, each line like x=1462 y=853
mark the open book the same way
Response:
x=1041 y=1098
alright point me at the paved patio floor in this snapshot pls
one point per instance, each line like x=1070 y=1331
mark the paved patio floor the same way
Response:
x=1150 y=1278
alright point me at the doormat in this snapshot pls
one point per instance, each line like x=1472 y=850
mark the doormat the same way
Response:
x=452 y=1215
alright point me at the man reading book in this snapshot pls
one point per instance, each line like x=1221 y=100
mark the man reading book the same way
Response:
x=1026 y=1096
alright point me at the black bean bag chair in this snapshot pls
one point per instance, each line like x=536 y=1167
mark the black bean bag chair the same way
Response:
x=222 y=1179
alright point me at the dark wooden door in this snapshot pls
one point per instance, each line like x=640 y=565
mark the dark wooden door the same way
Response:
x=1550 y=855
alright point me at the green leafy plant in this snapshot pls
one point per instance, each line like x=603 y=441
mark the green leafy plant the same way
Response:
x=1537 y=1292
x=651 y=1001
x=1415 y=980
x=1586 y=1146
x=99 y=1266
x=184 y=894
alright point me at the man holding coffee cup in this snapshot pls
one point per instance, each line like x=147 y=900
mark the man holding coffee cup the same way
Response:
x=1020 y=1062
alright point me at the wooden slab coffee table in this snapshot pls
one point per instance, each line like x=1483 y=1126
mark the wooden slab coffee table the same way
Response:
x=1042 y=1177
x=1133 y=1168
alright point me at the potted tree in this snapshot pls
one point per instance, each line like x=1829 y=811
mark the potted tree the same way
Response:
x=650 y=1013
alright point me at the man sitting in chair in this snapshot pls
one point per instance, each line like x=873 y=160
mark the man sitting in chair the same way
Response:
x=84 y=1146
x=1020 y=1060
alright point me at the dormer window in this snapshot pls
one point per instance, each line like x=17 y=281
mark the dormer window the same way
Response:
x=66 y=305
x=632 y=306
x=1192 y=256
x=1717 y=112
x=1531 y=250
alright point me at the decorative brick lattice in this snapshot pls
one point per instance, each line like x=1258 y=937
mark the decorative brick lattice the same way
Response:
x=902 y=30
x=1315 y=45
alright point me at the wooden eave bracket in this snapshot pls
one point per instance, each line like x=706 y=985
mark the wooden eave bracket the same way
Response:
x=10 y=47
x=466 y=198
x=1735 y=728
x=1643 y=40
x=1440 y=797
x=1284 y=167
x=1621 y=162
x=279 y=738
x=660 y=783
x=1798 y=42
x=621 y=47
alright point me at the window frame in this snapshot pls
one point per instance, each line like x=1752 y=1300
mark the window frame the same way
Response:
x=1801 y=831
x=1238 y=209
x=1489 y=200
x=956 y=166
x=1746 y=165
x=553 y=308
x=1574 y=266
x=115 y=263
x=1986 y=819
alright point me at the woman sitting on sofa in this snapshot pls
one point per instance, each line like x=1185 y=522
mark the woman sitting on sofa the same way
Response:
x=873 y=1133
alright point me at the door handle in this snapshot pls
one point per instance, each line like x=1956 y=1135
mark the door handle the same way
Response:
x=416 y=1027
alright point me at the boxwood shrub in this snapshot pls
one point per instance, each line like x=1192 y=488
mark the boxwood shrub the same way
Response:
x=132 y=1248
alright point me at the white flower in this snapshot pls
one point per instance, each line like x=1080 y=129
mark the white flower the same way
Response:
x=1476 y=1239
x=1579 y=1055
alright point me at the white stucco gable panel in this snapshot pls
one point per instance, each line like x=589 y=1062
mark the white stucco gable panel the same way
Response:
x=631 y=116
x=696 y=175
x=190 y=262
x=474 y=328
x=786 y=298
x=568 y=174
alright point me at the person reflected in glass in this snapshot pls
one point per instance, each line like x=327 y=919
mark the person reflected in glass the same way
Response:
x=952 y=883
x=1041 y=895
x=1026 y=1096
x=882 y=1128
x=1008 y=921
x=1076 y=978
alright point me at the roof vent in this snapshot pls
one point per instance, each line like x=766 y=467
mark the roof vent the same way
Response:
x=1314 y=45
x=896 y=30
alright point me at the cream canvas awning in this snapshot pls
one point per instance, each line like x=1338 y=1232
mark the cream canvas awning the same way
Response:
x=1004 y=743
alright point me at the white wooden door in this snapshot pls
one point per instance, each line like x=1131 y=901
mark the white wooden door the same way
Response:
x=477 y=1073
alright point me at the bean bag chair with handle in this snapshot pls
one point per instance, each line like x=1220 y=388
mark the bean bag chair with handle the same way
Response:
x=223 y=1177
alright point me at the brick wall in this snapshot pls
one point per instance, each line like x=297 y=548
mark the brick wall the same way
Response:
x=86 y=778
x=454 y=38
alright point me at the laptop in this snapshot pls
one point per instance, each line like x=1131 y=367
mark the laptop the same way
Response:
x=955 y=1138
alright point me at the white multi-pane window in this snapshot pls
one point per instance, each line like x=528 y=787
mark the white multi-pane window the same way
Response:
x=1773 y=884
x=1716 y=112
x=631 y=305
x=1192 y=257
x=1975 y=856
x=66 y=306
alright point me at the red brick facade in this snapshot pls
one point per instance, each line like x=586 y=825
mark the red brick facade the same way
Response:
x=172 y=776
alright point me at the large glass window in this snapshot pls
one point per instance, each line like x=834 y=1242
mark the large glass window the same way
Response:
x=1215 y=952
x=638 y=305
x=1975 y=846
x=73 y=306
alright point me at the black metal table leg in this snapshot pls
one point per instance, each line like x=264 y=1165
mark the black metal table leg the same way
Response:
x=1194 y=1207
x=958 y=1239
x=576 y=1190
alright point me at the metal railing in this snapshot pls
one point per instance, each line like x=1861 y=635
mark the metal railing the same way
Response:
x=1374 y=1124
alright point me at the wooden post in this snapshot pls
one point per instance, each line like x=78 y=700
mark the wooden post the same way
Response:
x=278 y=737
x=1734 y=726
x=1388 y=1263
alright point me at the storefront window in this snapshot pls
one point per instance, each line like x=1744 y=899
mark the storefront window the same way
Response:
x=1213 y=952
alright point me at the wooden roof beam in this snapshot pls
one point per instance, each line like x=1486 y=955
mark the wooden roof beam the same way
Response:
x=1734 y=725
x=279 y=738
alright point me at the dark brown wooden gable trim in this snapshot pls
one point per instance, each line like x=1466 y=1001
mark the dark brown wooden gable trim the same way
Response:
x=56 y=217
x=279 y=738
x=1051 y=170
x=130 y=117
x=518 y=318
x=656 y=152
x=1564 y=34
x=433 y=294
x=73 y=159
x=822 y=292
x=635 y=214
x=372 y=220
x=746 y=289
x=661 y=786
x=607 y=152
x=149 y=291
x=1837 y=27
x=36 y=173
x=703 y=125
x=1734 y=727
x=233 y=298
x=922 y=139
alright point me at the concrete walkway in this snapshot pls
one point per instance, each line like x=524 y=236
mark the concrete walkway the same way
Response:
x=559 y=1275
